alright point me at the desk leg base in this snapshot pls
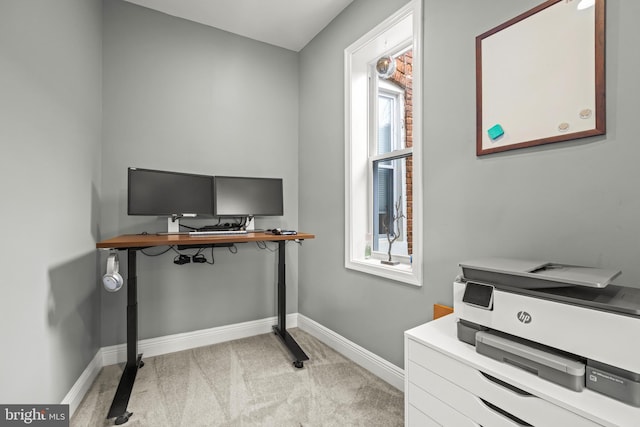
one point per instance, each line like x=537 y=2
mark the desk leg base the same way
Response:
x=123 y=418
x=295 y=350
x=123 y=393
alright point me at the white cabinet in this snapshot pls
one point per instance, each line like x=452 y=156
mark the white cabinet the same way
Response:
x=447 y=383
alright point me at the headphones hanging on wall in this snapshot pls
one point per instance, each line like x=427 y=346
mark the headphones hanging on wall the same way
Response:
x=112 y=280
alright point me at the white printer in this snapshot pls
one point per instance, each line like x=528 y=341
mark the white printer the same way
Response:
x=565 y=323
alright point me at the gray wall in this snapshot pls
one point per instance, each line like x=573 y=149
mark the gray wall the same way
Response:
x=180 y=96
x=573 y=202
x=50 y=113
x=185 y=97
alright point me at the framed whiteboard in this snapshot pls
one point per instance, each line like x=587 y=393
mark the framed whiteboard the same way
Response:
x=540 y=77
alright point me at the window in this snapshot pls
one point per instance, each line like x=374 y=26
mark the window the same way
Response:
x=382 y=135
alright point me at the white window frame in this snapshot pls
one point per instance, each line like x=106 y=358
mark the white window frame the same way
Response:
x=390 y=91
x=388 y=37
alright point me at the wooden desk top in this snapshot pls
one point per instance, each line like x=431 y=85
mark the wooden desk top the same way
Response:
x=146 y=240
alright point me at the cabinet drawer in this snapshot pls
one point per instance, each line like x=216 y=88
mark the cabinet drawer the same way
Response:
x=466 y=403
x=416 y=418
x=432 y=410
x=522 y=405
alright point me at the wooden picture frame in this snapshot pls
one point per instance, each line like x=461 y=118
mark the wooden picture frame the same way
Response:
x=540 y=77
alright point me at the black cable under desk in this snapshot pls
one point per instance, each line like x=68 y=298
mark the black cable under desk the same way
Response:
x=132 y=243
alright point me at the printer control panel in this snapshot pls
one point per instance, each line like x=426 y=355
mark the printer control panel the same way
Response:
x=479 y=295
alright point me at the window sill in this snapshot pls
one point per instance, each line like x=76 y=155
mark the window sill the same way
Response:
x=401 y=272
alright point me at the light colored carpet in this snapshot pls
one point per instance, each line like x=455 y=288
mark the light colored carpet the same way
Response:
x=248 y=382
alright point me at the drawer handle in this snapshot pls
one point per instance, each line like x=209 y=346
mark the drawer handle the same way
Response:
x=506 y=414
x=506 y=385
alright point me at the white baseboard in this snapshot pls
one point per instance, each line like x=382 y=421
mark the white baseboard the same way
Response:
x=82 y=385
x=188 y=340
x=359 y=355
x=171 y=343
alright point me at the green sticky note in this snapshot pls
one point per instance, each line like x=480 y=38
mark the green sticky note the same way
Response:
x=495 y=132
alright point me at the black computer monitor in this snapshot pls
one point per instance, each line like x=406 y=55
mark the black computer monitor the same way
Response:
x=245 y=197
x=164 y=193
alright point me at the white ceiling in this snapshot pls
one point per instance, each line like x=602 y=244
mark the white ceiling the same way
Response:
x=290 y=24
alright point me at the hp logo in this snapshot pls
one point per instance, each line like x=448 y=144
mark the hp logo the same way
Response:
x=524 y=317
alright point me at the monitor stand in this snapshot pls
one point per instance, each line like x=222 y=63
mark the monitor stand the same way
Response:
x=250 y=224
x=173 y=225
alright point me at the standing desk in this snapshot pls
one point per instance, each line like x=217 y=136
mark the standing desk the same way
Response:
x=132 y=243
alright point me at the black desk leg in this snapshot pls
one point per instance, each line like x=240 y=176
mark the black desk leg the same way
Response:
x=134 y=360
x=281 y=328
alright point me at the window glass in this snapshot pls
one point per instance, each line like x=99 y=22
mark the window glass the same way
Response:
x=385 y=121
x=392 y=165
x=391 y=216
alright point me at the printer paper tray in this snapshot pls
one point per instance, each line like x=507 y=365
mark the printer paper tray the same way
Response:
x=545 y=362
